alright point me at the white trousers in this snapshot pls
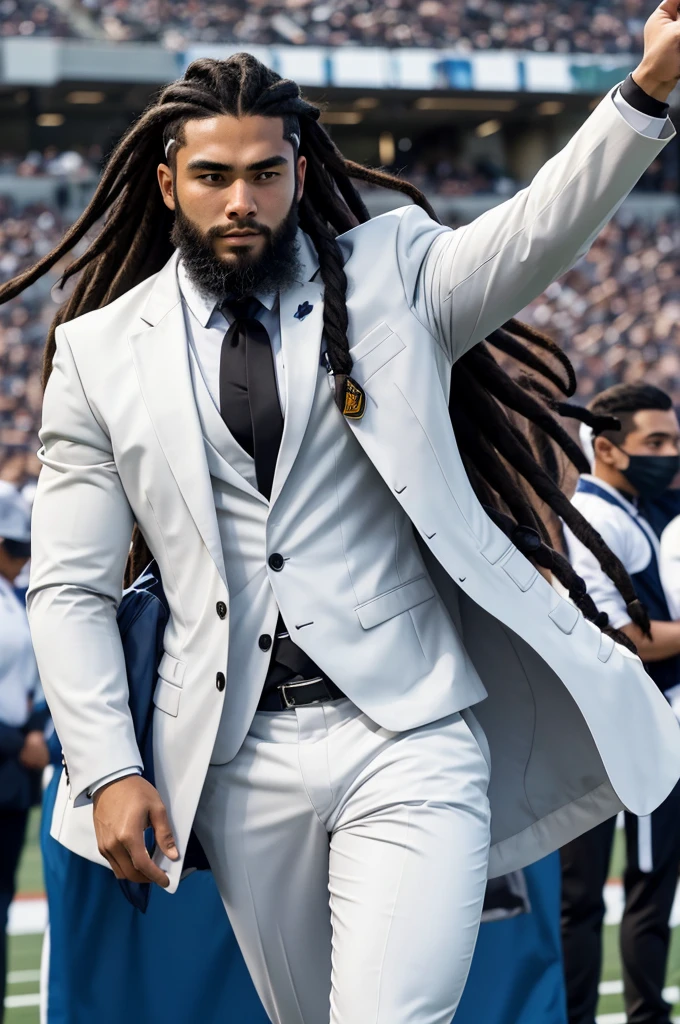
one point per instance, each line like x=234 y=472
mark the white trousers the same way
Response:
x=394 y=826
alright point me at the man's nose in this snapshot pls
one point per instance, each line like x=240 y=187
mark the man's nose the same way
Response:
x=240 y=201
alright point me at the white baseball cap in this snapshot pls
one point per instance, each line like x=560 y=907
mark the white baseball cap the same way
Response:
x=15 y=514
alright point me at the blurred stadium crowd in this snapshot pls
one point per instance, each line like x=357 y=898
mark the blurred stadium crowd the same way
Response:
x=538 y=25
x=432 y=168
x=617 y=314
x=83 y=162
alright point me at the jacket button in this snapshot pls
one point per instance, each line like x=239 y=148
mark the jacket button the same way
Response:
x=221 y=609
x=220 y=681
x=265 y=642
x=276 y=561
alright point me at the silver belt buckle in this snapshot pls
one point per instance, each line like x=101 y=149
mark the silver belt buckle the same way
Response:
x=292 y=686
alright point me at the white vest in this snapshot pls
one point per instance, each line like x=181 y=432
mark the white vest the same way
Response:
x=349 y=507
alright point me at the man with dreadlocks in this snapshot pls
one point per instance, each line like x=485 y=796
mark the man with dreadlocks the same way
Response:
x=256 y=377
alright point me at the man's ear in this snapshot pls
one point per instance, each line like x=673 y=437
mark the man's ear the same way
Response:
x=166 y=182
x=605 y=451
x=300 y=172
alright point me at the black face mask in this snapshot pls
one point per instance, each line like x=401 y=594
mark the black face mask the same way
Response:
x=17 y=548
x=651 y=475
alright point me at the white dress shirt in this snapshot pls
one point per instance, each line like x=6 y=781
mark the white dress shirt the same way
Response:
x=643 y=123
x=669 y=565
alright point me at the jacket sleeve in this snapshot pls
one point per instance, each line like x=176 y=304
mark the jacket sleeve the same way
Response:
x=81 y=530
x=477 y=277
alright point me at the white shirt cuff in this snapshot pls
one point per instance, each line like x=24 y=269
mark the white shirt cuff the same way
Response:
x=113 y=777
x=642 y=123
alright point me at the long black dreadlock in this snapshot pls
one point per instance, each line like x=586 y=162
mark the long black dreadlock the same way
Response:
x=134 y=243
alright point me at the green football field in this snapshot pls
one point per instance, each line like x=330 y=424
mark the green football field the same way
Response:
x=24 y=960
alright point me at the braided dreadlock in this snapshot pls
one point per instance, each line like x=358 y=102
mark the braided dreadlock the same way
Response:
x=134 y=243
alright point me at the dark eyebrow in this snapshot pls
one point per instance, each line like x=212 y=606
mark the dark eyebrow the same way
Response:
x=212 y=165
x=661 y=435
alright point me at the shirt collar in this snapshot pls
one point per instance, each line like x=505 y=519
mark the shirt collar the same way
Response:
x=203 y=306
x=627 y=500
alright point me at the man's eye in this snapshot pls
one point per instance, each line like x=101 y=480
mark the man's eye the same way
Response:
x=213 y=177
x=266 y=175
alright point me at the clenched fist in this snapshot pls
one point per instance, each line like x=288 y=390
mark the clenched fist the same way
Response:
x=659 y=71
x=34 y=753
x=122 y=811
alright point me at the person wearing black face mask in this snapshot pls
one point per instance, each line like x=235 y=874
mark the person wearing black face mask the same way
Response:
x=633 y=467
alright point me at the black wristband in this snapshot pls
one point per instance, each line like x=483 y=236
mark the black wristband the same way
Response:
x=642 y=101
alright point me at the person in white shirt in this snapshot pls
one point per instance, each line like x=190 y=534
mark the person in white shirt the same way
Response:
x=632 y=466
x=670 y=565
x=23 y=751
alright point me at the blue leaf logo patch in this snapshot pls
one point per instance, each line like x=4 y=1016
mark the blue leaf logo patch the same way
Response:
x=303 y=310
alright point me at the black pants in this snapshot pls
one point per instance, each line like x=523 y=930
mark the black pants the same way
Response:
x=650 y=879
x=12 y=834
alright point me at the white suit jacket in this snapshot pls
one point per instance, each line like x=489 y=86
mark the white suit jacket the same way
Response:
x=575 y=726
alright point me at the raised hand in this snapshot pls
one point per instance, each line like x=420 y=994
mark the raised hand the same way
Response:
x=659 y=70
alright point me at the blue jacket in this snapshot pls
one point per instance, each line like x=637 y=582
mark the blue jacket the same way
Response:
x=20 y=788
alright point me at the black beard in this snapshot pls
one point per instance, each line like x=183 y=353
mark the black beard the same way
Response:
x=275 y=269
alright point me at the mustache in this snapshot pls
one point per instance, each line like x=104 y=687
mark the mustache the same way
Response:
x=240 y=225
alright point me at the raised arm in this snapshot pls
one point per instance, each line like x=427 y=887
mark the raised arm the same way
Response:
x=81 y=529
x=476 y=278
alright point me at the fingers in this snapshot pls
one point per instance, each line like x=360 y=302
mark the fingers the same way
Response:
x=129 y=859
x=670 y=7
x=115 y=866
x=123 y=810
x=142 y=864
x=158 y=817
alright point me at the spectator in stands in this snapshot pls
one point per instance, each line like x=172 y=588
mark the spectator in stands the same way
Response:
x=538 y=25
x=617 y=313
x=31 y=18
x=23 y=236
x=79 y=163
x=23 y=751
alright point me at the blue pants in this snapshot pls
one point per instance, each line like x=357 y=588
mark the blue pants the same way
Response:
x=176 y=964
x=180 y=963
x=516 y=975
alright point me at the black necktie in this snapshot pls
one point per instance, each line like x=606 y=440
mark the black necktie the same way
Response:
x=249 y=398
x=249 y=403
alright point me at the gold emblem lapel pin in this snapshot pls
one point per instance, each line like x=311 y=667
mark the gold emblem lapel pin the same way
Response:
x=351 y=396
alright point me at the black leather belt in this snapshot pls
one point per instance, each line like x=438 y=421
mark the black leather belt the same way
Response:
x=299 y=693
x=293 y=679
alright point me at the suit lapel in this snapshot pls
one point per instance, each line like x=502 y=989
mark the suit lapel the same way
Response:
x=161 y=359
x=301 y=344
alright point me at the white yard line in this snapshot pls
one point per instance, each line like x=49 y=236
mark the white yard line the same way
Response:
x=615 y=988
x=613 y=898
x=27 y=917
x=22 y=977
x=16 y=1002
x=620 y=1018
